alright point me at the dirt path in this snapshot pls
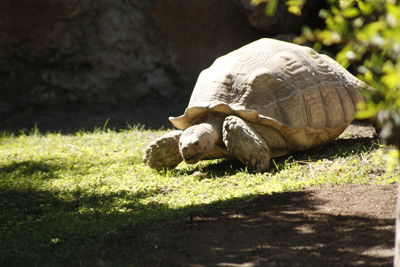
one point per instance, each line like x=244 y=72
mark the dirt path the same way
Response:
x=350 y=225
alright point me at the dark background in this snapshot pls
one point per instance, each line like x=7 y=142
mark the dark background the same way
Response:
x=67 y=65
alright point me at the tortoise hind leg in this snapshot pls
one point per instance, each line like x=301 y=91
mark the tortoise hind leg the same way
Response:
x=164 y=152
x=245 y=144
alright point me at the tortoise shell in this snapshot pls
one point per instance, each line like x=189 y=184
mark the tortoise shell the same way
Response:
x=308 y=97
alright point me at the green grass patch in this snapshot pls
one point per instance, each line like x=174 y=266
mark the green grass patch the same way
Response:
x=63 y=196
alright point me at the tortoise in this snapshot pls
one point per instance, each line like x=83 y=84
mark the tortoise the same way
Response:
x=263 y=100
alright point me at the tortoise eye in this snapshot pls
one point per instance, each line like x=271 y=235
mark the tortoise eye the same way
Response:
x=196 y=143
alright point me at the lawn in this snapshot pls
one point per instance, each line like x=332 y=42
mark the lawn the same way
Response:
x=64 y=197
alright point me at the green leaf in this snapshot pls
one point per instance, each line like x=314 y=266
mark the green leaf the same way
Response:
x=270 y=8
x=323 y=13
x=388 y=67
x=328 y=37
x=393 y=10
x=317 y=46
x=342 y=56
x=256 y=2
x=368 y=76
x=369 y=31
x=358 y=23
x=308 y=33
x=295 y=6
x=391 y=80
x=365 y=7
x=295 y=10
x=345 y=3
x=366 y=110
x=351 y=12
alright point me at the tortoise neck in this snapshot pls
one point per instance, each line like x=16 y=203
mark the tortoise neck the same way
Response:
x=213 y=125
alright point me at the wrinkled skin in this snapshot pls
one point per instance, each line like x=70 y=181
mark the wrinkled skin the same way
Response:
x=198 y=140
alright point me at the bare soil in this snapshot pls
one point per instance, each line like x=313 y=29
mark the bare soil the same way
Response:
x=350 y=225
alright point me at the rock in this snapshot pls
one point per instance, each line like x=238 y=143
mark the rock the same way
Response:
x=197 y=32
x=73 y=50
x=101 y=51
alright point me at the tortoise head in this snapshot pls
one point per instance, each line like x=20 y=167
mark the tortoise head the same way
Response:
x=195 y=142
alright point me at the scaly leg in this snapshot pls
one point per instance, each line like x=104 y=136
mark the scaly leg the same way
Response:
x=164 y=152
x=245 y=144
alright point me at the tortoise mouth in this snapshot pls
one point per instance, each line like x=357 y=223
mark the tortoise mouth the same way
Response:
x=193 y=159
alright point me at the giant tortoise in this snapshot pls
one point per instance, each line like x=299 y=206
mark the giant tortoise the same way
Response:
x=263 y=100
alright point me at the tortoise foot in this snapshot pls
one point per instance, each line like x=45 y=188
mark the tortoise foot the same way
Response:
x=164 y=152
x=245 y=144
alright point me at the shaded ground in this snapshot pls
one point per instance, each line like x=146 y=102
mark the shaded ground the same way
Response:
x=72 y=119
x=350 y=225
x=324 y=226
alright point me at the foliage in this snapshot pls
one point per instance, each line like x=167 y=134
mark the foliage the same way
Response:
x=63 y=197
x=294 y=6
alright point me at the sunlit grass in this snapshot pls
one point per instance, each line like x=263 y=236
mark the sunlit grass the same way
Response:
x=62 y=195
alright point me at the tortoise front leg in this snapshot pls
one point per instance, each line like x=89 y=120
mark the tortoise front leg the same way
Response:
x=245 y=144
x=164 y=152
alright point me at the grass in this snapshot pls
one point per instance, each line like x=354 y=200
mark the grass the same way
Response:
x=63 y=197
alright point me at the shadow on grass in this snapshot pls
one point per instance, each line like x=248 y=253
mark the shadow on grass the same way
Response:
x=336 y=149
x=339 y=148
x=222 y=167
x=30 y=167
x=40 y=227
